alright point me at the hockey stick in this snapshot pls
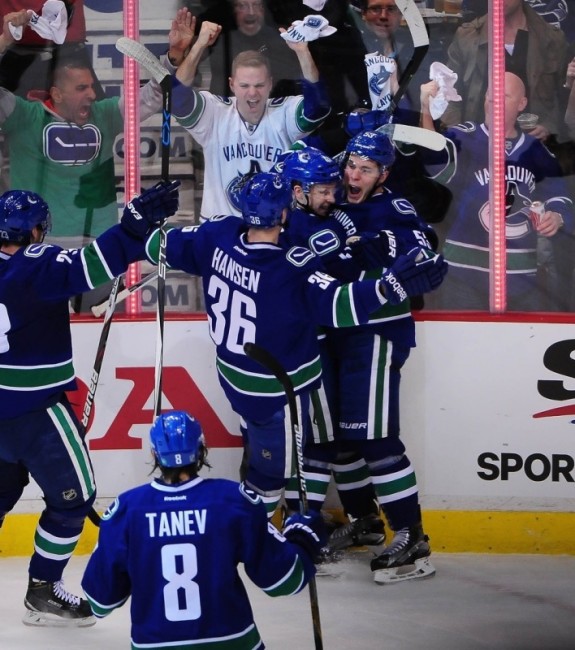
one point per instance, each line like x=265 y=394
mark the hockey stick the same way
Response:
x=413 y=135
x=264 y=358
x=144 y=57
x=99 y=310
x=420 y=38
x=95 y=376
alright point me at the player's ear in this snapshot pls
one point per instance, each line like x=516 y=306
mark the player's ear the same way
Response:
x=383 y=176
x=299 y=194
x=231 y=84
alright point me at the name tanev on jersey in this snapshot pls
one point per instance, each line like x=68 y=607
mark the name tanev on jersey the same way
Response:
x=178 y=522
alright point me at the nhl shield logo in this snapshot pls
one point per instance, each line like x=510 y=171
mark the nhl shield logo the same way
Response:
x=69 y=495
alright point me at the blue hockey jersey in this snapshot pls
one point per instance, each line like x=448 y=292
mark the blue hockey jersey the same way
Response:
x=264 y=294
x=532 y=174
x=327 y=238
x=35 y=341
x=176 y=549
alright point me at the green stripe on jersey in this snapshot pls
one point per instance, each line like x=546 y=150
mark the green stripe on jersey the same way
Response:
x=344 y=312
x=189 y=121
x=25 y=378
x=249 y=638
x=303 y=123
x=267 y=385
x=95 y=266
x=290 y=584
x=71 y=438
x=471 y=257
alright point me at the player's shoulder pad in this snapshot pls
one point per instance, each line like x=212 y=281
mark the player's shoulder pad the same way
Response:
x=465 y=127
x=299 y=256
x=251 y=495
x=111 y=510
x=224 y=100
x=277 y=101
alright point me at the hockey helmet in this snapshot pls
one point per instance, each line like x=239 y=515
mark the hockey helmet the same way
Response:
x=310 y=166
x=177 y=439
x=264 y=198
x=372 y=145
x=20 y=212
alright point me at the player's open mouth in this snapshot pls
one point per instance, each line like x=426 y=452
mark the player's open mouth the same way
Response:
x=253 y=103
x=353 y=190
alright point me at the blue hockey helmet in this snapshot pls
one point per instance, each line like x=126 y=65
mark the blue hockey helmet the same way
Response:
x=264 y=197
x=310 y=166
x=177 y=439
x=373 y=145
x=20 y=212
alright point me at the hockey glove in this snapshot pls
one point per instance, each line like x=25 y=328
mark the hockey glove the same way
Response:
x=373 y=251
x=414 y=274
x=357 y=121
x=150 y=209
x=307 y=531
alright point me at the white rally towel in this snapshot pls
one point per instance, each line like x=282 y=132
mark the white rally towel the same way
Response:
x=52 y=24
x=309 y=29
x=316 y=5
x=445 y=78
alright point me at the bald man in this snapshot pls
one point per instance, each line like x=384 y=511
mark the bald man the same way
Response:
x=532 y=174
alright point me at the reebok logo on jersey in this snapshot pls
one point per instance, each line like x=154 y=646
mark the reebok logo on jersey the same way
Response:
x=183 y=497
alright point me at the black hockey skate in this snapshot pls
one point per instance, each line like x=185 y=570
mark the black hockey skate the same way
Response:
x=365 y=531
x=406 y=557
x=50 y=605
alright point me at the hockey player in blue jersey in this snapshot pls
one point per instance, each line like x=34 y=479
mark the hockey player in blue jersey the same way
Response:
x=257 y=291
x=315 y=221
x=40 y=435
x=362 y=366
x=532 y=174
x=174 y=546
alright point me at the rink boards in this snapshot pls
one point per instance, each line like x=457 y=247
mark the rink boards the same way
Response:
x=488 y=417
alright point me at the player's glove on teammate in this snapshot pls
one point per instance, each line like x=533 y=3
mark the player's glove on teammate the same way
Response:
x=150 y=209
x=373 y=251
x=307 y=531
x=414 y=274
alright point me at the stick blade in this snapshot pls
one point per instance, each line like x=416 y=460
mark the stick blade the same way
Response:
x=414 y=135
x=141 y=54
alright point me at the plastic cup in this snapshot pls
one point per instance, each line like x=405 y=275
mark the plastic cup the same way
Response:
x=452 y=6
x=527 y=121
